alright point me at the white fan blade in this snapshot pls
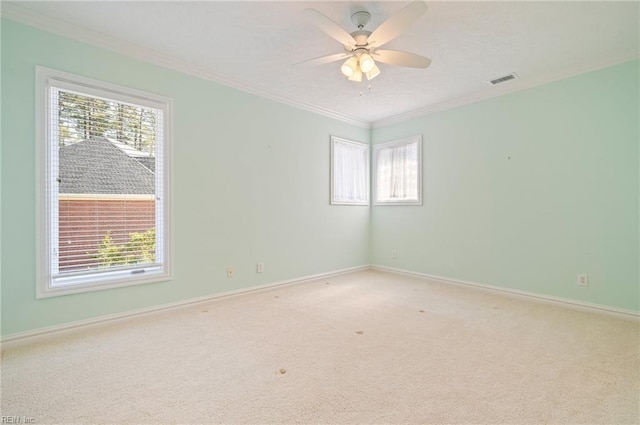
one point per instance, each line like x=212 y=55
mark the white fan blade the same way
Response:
x=323 y=59
x=397 y=57
x=392 y=27
x=327 y=25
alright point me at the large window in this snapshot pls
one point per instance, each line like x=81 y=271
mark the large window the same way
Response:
x=104 y=185
x=349 y=172
x=398 y=166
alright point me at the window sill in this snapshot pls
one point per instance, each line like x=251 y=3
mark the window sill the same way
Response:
x=78 y=286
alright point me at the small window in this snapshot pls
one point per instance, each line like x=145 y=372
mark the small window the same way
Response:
x=104 y=185
x=349 y=172
x=397 y=167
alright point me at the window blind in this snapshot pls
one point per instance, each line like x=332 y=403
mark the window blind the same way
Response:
x=105 y=191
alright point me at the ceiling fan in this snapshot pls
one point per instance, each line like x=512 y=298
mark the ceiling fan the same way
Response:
x=362 y=47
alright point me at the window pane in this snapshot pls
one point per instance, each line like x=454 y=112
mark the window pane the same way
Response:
x=350 y=172
x=106 y=183
x=397 y=173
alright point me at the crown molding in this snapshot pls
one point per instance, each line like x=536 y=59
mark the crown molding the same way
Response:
x=511 y=87
x=16 y=13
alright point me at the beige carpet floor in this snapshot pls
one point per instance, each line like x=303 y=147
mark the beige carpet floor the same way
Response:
x=367 y=347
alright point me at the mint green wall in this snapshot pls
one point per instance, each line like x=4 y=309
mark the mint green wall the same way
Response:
x=250 y=183
x=527 y=190
x=522 y=191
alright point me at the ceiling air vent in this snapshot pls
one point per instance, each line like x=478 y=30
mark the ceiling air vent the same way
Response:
x=503 y=79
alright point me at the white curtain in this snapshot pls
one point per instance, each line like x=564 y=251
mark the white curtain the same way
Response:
x=350 y=172
x=397 y=173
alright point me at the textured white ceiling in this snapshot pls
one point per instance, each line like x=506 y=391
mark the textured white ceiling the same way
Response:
x=256 y=43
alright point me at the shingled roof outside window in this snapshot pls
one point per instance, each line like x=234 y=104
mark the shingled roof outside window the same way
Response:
x=100 y=166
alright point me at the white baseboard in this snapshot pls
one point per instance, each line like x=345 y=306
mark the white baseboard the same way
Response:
x=41 y=334
x=564 y=302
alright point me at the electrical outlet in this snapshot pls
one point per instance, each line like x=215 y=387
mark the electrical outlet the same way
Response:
x=394 y=254
x=229 y=272
x=583 y=280
x=259 y=267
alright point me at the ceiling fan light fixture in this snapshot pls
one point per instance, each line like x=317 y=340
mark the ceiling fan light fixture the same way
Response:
x=357 y=76
x=361 y=45
x=366 y=62
x=350 y=66
x=373 y=73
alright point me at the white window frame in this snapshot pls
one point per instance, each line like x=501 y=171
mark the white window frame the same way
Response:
x=46 y=207
x=334 y=201
x=395 y=143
